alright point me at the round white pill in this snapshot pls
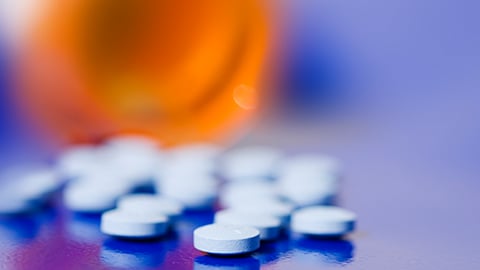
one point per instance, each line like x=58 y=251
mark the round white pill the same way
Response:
x=78 y=160
x=224 y=239
x=273 y=208
x=252 y=161
x=328 y=221
x=309 y=179
x=234 y=193
x=192 y=159
x=305 y=190
x=26 y=188
x=137 y=165
x=133 y=225
x=195 y=192
x=268 y=226
x=149 y=203
x=94 y=194
x=237 y=200
x=310 y=164
x=39 y=184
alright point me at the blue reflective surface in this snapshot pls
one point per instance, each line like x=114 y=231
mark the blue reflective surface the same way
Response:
x=74 y=241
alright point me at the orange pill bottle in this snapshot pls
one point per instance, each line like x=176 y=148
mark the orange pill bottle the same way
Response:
x=179 y=70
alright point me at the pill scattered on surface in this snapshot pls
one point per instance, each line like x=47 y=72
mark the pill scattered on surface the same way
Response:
x=278 y=209
x=261 y=191
x=133 y=225
x=192 y=159
x=234 y=193
x=39 y=184
x=96 y=193
x=327 y=221
x=26 y=189
x=251 y=161
x=150 y=203
x=78 y=160
x=223 y=239
x=194 y=191
x=309 y=180
x=268 y=226
x=320 y=189
x=310 y=164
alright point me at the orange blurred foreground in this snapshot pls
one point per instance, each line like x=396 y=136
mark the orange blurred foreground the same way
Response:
x=179 y=71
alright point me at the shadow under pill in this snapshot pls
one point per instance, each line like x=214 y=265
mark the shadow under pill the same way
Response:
x=84 y=227
x=19 y=229
x=208 y=262
x=25 y=227
x=144 y=189
x=118 y=253
x=193 y=219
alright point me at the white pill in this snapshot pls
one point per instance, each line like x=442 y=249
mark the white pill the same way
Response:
x=199 y=158
x=195 y=192
x=278 y=209
x=226 y=239
x=149 y=203
x=137 y=165
x=78 y=160
x=268 y=226
x=252 y=161
x=89 y=200
x=308 y=190
x=239 y=203
x=26 y=188
x=94 y=194
x=328 y=221
x=309 y=179
x=309 y=165
x=39 y=183
x=236 y=192
x=133 y=225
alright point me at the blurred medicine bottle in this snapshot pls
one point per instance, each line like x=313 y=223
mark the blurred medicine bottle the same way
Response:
x=179 y=70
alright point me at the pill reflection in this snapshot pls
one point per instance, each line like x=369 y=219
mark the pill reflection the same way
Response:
x=122 y=254
x=84 y=228
x=230 y=263
x=271 y=251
